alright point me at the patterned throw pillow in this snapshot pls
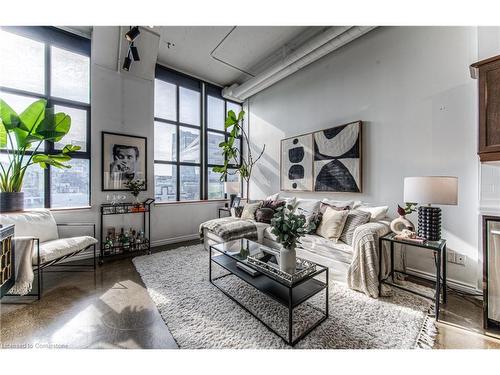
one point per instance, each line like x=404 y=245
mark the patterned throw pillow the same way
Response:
x=236 y=211
x=273 y=204
x=264 y=215
x=355 y=218
x=311 y=217
x=325 y=205
x=332 y=223
x=249 y=210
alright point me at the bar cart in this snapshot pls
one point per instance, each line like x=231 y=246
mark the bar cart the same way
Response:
x=126 y=244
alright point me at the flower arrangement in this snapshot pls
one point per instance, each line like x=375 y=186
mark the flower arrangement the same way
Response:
x=135 y=186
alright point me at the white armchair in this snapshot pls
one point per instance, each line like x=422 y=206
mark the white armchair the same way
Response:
x=37 y=232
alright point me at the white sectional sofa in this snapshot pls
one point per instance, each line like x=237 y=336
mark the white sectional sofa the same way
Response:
x=337 y=256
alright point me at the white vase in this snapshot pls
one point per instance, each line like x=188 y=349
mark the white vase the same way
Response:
x=400 y=223
x=288 y=260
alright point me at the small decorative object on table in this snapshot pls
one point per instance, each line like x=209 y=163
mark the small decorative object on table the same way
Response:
x=135 y=186
x=401 y=223
x=288 y=228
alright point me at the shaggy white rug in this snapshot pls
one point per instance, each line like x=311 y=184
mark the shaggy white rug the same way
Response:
x=201 y=316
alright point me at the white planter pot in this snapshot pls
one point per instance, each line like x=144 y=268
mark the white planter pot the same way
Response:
x=288 y=260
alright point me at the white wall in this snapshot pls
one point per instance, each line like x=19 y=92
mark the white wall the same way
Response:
x=412 y=89
x=123 y=102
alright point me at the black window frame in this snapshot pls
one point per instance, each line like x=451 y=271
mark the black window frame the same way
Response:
x=183 y=80
x=53 y=37
x=216 y=92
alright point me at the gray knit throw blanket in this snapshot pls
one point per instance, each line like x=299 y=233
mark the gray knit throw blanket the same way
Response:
x=230 y=228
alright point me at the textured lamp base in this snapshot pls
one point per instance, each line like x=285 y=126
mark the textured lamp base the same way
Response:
x=429 y=223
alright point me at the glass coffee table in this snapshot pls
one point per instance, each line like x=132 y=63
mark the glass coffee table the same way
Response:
x=258 y=265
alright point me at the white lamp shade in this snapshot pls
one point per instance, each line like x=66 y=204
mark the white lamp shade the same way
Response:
x=431 y=190
x=232 y=187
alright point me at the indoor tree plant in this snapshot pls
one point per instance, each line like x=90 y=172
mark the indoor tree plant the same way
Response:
x=231 y=153
x=288 y=227
x=22 y=135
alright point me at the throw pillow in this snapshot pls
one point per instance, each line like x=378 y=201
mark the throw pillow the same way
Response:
x=289 y=201
x=236 y=211
x=332 y=223
x=355 y=218
x=264 y=215
x=377 y=213
x=249 y=210
x=336 y=203
x=324 y=206
x=309 y=205
x=272 y=204
x=273 y=197
x=311 y=218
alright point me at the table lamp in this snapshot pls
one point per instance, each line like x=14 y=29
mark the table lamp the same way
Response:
x=232 y=188
x=426 y=191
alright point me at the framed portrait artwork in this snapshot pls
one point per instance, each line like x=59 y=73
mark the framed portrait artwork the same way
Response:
x=124 y=158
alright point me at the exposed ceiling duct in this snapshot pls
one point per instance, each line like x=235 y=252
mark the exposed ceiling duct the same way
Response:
x=321 y=45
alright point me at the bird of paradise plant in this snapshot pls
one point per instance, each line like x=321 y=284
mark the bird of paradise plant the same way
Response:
x=23 y=134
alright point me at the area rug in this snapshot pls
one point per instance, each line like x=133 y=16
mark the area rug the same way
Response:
x=200 y=316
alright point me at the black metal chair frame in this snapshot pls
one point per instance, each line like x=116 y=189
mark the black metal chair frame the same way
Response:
x=56 y=262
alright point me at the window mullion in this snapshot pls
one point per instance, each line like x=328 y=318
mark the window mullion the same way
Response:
x=178 y=146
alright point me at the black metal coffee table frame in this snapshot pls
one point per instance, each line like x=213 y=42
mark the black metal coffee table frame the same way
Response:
x=288 y=296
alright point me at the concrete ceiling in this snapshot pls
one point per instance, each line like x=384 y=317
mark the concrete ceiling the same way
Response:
x=228 y=54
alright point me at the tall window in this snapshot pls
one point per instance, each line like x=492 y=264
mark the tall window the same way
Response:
x=44 y=62
x=217 y=109
x=177 y=137
x=187 y=143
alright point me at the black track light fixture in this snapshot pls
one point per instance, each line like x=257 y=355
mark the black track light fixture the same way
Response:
x=127 y=62
x=132 y=34
x=135 y=52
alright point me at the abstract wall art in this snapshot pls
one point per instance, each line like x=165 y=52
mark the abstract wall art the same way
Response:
x=296 y=163
x=327 y=160
x=337 y=159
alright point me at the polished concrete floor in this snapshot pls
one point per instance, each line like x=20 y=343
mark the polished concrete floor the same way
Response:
x=112 y=309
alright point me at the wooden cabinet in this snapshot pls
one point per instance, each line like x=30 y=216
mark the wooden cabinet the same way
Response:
x=488 y=72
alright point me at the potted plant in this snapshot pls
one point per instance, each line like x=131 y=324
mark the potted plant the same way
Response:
x=135 y=186
x=231 y=153
x=23 y=134
x=288 y=227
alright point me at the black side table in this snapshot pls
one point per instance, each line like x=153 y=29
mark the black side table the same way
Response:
x=224 y=209
x=439 y=250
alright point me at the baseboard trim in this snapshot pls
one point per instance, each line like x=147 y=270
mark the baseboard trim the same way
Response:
x=459 y=285
x=171 y=240
x=167 y=241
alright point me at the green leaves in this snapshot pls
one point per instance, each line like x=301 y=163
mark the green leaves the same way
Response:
x=287 y=226
x=54 y=126
x=33 y=126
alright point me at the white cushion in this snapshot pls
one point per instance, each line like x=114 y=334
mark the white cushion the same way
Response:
x=308 y=205
x=332 y=223
x=249 y=210
x=339 y=204
x=377 y=213
x=289 y=201
x=55 y=249
x=273 y=197
x=37 y=223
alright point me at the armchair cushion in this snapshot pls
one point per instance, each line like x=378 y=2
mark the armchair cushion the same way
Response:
x=55 y=249
x=37 y=223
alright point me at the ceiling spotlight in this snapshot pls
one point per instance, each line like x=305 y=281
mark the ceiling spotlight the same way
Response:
x=127 y=62
x=135 y=52
x=132 y=34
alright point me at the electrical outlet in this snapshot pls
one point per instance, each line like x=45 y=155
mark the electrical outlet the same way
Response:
x=460 y=259
x=450 y=256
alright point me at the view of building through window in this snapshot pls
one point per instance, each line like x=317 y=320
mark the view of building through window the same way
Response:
x=59 y=74
x=182 y=172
